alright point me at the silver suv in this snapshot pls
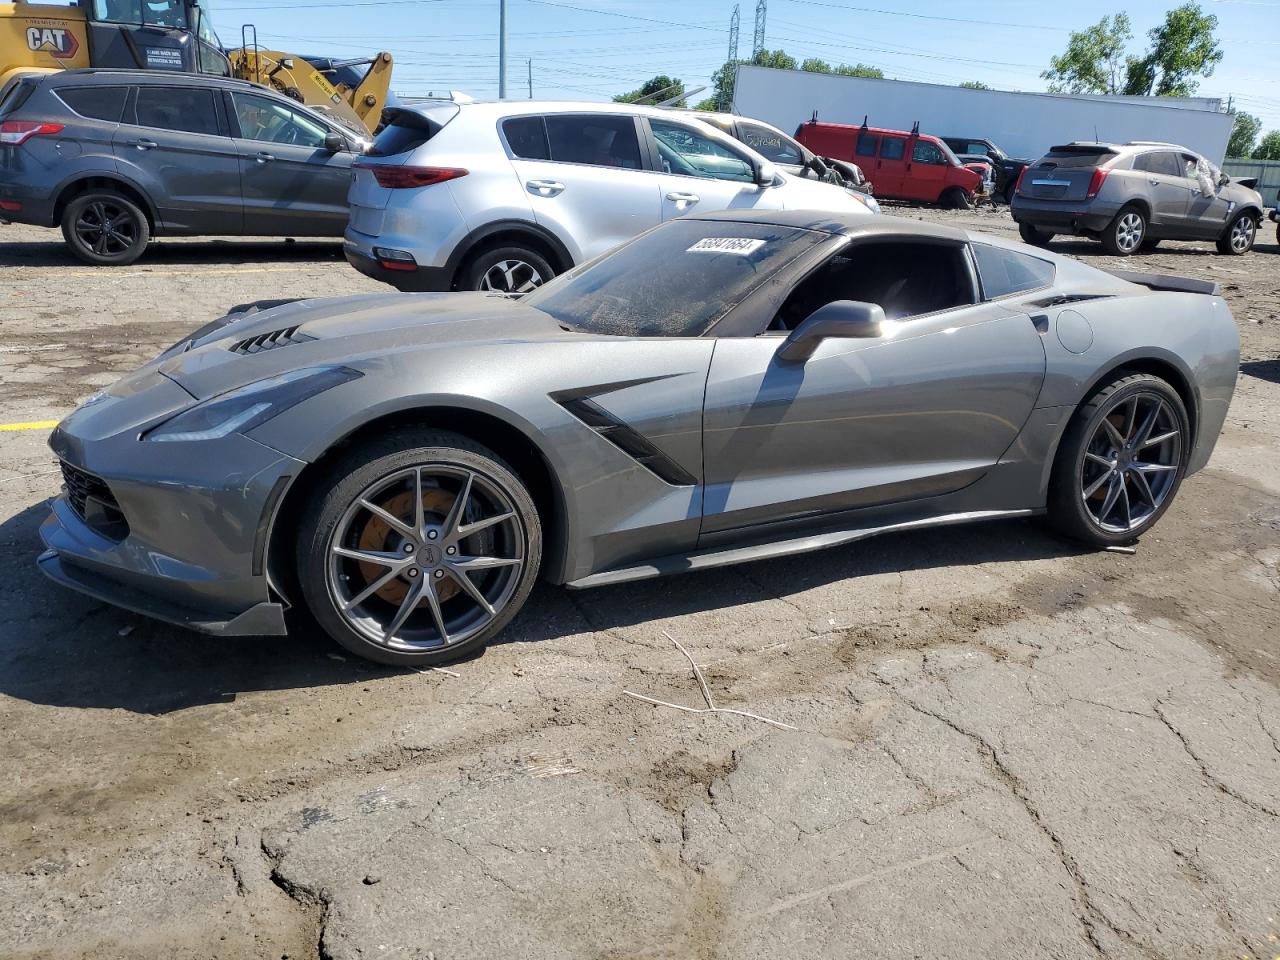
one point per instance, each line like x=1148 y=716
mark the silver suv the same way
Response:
x=1133 y=195
x=503 y=196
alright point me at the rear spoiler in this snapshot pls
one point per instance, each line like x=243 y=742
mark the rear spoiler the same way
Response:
x=1161 y=281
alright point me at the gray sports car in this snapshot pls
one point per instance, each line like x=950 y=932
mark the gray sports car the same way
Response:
x=728 y=388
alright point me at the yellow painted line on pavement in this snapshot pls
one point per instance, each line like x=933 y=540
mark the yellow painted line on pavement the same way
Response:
x=29 y=425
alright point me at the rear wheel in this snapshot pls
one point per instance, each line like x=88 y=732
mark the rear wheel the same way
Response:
x=510 y=270
x=1239 y=236
x=1120 y=462
x=1126 y=233
x=105 y=228
x=1033 y=235
x=419 y=548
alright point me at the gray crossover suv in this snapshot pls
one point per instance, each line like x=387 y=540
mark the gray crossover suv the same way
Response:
x=1133 y=195
x=116 y=157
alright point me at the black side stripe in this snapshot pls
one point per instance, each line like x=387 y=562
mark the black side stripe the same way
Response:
x=627 y=440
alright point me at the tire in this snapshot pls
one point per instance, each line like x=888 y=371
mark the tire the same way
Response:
x=1085 y=470
x=524 y=270
x=385 y=608
x=954 y=199
x=1033 y=235
x=1125 y=234
x=1149 y=244
x=1239 y=237
x=105 y=228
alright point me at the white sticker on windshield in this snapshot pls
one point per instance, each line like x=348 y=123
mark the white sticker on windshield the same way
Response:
x=739 y=246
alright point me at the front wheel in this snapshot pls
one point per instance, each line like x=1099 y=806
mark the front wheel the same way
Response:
x=1126 y=233
x=512 y=271
x=955 y=199
x=418 y=548
x=1239 y=236
x=1120 y=461
x=105 y=228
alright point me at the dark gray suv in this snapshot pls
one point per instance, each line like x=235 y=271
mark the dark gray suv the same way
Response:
x=1133 y=195
x=116 y=157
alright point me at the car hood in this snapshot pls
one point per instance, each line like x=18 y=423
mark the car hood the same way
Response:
x=804 y=194
x=346 y=330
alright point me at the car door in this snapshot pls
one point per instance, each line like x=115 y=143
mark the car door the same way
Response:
x=291 y=182
x=1165 y=188
x=585 y=177
x=703 y=174
x=1206 y=215
x=926 y=175
x=175 y=145
x=924 y=410
x=891 y=166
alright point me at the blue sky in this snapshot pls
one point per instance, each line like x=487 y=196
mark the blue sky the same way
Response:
x=592 y=49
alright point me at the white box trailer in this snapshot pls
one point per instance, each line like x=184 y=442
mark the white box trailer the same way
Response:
x=1023 y=124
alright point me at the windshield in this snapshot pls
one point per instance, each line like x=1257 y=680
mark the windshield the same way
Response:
x=160 y=13
x=674 y=281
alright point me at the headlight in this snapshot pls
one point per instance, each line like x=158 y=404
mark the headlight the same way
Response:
x=249 y=406
x=865 y=199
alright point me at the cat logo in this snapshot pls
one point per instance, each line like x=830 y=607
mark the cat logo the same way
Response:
x=56 y=42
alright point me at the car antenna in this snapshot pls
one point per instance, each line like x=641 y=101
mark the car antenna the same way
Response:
x=915 y=129
x=864 y=120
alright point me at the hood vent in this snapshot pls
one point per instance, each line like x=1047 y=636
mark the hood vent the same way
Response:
x=270 y=341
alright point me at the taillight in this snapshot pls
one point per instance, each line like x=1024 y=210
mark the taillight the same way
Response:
x=1017 y=187
x=1095 y=183
x=402 y=178
x=17 y=132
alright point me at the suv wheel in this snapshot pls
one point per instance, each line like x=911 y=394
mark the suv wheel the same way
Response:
x=105 y=228
x=955 y=199
x=1033 y=235
x=1126 y=233
x=1239 y=236
x=510 y=270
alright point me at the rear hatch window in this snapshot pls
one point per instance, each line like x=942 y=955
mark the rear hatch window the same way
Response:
x=404 y=130
x=16 y=96
x=1064 y=172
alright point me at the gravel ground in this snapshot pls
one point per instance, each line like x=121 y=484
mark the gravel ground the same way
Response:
x=1006 y=747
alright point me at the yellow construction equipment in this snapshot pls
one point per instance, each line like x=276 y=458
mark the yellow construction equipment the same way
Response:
x=178 y=35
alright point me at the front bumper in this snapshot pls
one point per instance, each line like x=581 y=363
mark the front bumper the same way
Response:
x=1064 y=216
x=198 y=519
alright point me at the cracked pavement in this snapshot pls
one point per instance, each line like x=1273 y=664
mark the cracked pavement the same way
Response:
x=1006 y=747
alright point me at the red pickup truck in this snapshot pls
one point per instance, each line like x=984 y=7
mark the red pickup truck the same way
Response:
x=902 y=165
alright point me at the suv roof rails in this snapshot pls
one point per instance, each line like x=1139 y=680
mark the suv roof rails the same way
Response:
x=157 y=75
x=1153 y=143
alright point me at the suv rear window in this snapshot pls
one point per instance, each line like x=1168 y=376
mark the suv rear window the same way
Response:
x=18 y=94
x=1077 y=157
x=185 y=109
x=405 y=130
x=96 y=103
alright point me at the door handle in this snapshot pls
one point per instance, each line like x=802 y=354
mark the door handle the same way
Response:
x=265 y=157
x=548 y=188
x=689 y=198
x=1154 y=182
x=145 y=144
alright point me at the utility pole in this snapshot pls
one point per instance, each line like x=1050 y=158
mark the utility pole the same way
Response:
x=731 y=62
x=502 y=49
x=758 y=43
x=530 y=63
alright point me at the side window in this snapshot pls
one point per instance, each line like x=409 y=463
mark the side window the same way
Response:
x=527 y=138
x=922 y=151
x=867 y=144
x=272 y=122
x=892 y=148
x=771 y=144
x=1170 y=164
x=96 y=103
x=907 y=279
x=1004 y=272
x=601 y=141
x=979 y=148
x=686 y=152
x=188 y=109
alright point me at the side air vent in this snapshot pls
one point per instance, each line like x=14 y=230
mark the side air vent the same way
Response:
x=627 y=440
x=270 y=341
x=1066 y=298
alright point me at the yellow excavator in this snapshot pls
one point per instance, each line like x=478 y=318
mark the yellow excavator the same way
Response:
x=178 y=35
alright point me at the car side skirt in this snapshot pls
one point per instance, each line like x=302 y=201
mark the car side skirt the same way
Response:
x=708 y=559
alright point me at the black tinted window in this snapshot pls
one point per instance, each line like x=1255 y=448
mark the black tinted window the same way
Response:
x=867 y=143
x=16 y=96
x=892 y=148
x=771 y=144
x=527 y=138
x=675 y=281
x=601 y=141
x=97 y=103
x=1005 y=271
x=397 y=138
x=189 y=109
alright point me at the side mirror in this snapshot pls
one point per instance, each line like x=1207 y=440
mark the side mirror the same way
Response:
x=334 y=142
x=1223 y=180
x=766 y=173
x=840 y=318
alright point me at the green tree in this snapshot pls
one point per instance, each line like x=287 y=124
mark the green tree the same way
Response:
x=1182 y=48
x=1269 y=148
x=974 y=85
x=724 y=78
x=660 y=82
x=814 y=65
x=1094 y=61
x=1244 y=134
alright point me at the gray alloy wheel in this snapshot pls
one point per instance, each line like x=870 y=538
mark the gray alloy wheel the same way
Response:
x=1120 y=461
x=511 y=271
x=1239 y=236
x=105 y=228
x=511 y=277
x=420 y=554
x=1126 y=233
